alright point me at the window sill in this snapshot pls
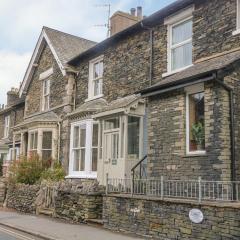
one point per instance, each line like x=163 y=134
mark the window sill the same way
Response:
x=236 y=32
x=196 y=154
x=79 y=176
x=93 y=98
x=175 y=71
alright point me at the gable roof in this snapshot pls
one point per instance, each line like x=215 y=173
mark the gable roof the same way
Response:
x=150 y=21
x=63 y=46
x=199 y=70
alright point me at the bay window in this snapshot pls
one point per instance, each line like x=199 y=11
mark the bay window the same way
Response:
x=84 y=149
x=195 y=123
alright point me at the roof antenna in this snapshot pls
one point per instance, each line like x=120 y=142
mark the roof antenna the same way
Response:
x=107 y=25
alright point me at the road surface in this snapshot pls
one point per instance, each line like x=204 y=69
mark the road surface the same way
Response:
x=10 y=234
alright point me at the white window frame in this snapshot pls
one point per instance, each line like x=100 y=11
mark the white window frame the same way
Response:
x=237 y=30
x=88 y=173
x=91 y=79
x=46 y=96
x=29 y=142
x=10 y=154
x=6 y=126
x=197 y=88
x=172 y=21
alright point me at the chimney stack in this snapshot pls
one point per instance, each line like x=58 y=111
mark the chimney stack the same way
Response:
x=133 y=11
x=12 y=96
x=139 y=12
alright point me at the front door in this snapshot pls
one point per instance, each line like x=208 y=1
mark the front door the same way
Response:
x=111 y=152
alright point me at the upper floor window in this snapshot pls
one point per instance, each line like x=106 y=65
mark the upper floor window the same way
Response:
x=179 y=40
x=6 y=126
x=46 y=95
x=95 y=78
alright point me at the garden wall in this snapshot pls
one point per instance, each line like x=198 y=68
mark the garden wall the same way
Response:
x=22 y=197
x=169 y=220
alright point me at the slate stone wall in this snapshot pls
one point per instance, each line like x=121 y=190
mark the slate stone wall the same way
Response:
x=77 y=207
x=167 y=137
x=57 y=85
x=22 y=197
x=170 y=219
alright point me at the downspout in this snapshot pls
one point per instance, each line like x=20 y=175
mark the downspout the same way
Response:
x=151 y=52
x=59 y=141
x=232 y=128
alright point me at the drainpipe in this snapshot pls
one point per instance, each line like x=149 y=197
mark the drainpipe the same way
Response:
x=151 y=52
x=59 y=139
x=232 y=128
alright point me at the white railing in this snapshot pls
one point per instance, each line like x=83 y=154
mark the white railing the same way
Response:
x=198 y=190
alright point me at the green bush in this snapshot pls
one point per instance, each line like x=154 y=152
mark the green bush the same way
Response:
x=56 y=173
x=33 y=169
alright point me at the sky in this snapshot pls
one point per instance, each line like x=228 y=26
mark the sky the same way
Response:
x=21 y=23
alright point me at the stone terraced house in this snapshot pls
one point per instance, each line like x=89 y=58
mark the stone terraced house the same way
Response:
x=165 y=86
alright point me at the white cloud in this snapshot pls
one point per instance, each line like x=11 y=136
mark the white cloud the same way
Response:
x=12 y=69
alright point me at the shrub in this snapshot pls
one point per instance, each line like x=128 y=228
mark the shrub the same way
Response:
x=56 y=173
x=27 y=171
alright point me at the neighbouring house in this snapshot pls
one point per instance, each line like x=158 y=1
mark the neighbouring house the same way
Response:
x=46 y=88
x=10 y=115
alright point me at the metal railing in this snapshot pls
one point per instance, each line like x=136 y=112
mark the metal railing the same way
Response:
x=198 y=190
x=139 y=171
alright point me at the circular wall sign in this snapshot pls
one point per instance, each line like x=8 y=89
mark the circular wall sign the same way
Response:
x=195 y=215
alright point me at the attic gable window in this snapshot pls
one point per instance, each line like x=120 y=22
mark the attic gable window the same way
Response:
x=46 y=95
x=95 y=78
x=179 y=41
x=6 y=126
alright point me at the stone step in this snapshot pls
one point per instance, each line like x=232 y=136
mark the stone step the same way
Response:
x=95 y=221
x=45 y=211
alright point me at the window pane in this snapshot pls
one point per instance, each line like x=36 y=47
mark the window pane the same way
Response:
x=182 y=56
x=95 y=135
x=196 y=122
x=101 y=69
x=97 y=86
x=115 y=141
x=133 y=136
x=47 y=140
x=82 y=159
x=46 y=154
x=76 y=137
x=94 y=159
x=31 y=140
x=96 y=70
x=182 y=32
x=35 y=140
x=83 y=135
x=112 y=123
x=76 y=161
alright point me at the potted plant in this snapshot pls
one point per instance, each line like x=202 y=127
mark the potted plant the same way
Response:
x=198 y=134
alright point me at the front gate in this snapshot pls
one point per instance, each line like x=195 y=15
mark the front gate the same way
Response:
x=45 y=202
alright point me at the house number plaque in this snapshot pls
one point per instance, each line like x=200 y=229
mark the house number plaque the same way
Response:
x=195 y=215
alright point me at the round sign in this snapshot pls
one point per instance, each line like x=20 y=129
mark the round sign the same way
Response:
x=195 y=215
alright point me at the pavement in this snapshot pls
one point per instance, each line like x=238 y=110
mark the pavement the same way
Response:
x=52 y=229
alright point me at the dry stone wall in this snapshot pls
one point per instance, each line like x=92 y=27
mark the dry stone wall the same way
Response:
x=169 y=220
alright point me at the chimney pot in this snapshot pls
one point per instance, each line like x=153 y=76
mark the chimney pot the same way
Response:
x=133 y=11
x=139 y=12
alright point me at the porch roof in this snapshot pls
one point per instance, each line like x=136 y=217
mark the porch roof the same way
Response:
x=88 y=107
x=200 y=69
x=120 y=105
